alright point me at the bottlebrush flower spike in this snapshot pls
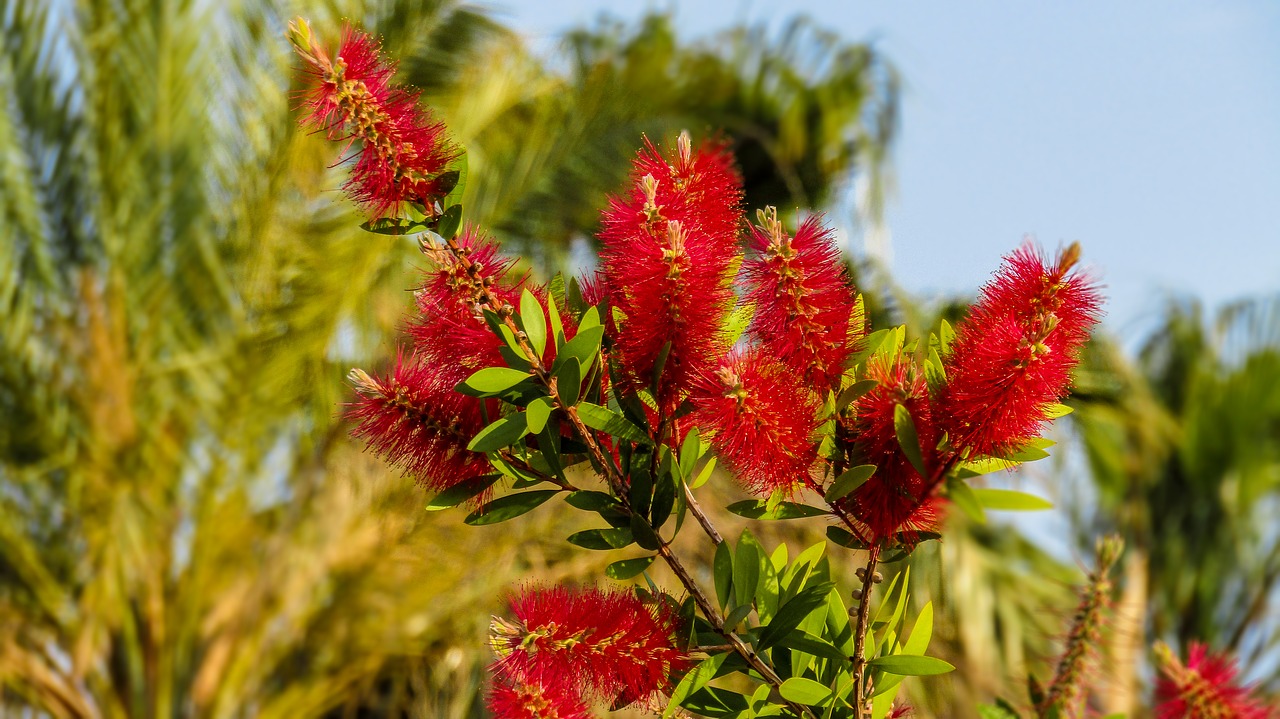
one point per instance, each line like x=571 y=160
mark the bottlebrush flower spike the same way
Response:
x=519 y=700
x=598 y=642
x=403 y=151
x=668 y=247
x=1013 y=355
x=894 y=499
x=1206 y=687
x=761 y=420
x=415 y=421
x=803 y=298
x=450 y=330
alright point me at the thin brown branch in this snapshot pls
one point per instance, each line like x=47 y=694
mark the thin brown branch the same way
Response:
x=860 y=632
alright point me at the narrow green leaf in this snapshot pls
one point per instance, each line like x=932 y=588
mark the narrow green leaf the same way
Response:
x=694 y=680
x=644 y=534
x=1029 y=452
x=794 y=611
x=535 y=322
x=746 y=569
x=1010 y=500
x=392 y=226
x=738 y=321
x=921 y=632
x=569 y=382
x=449 y=222
x=809 y=644
x=691 y=451
x=988 y=711
x=964 y=497
x=494 y=380
x=757 y=509
x=590 y=501
x=658 y=365
x=935 y=373
x=1055 y=411
x=502 y=433
x=557 y=325
x=805 y=691
x=854 y=391
x=583 y=347
x=735 y=617
x=601 y=539
x=459 y=167
x=848 y=481
x=945 y=335
x=538 y=412
x=723 y=572
x=911 y=665
x=905 y=428
x=509 y=507
x=459 y=493
x=606 y=420
x=704 y=475
x=627 y=568
x=844 y=538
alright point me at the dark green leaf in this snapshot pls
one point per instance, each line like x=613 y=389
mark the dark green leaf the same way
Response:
x=844 y=538
x=601 y=539
x=454 y=195
x=449 y=222
x=1011 y=501
x=716 y=703
x=502 y=433
x=664 y=495
x=644 y=534
x=569 y=382
x=723 y=570
x=848 y=481
x=746 y=569
x=392 y=226
x=692 y=681
x=509 y=507
x=809 y=644
x=793 y=612
x=854 y=391
x=911 y=665
x=627 y=568
x=759 y=509
x=658 y=365
x=590 y=500
x=459 y=493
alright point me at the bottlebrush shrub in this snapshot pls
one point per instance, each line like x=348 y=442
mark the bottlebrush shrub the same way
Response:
x=700 y=338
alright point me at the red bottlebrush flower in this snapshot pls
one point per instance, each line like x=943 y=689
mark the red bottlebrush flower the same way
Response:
x=894 y=499
x=535 y=701
x=415 y=421
x=668 y=247
x=803 y=299
x=595 y=641
x=761 y=420
x=450 y=330
x=403 y=151
x=1204 y=688
x=1012 y=357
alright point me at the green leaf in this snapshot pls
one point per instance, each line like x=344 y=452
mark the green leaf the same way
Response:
x=628 y=568
x=758 y=509
x=746 y=569
x=793 y=612
x=658 y=365
x=988 y=711
x=537 y=413
x=1056 y=410
x=1009 y=500
x=449 y=222
x=704 y=475
x=945 y=335
x=590 y=500
x=848 y=481
x=569 y=382
x=691 y=451
x=935 y=373
x=905 y=428
x=583 y=347
x=1029 y=452
x=805 y=691
x=601 y=539
x=844 y=538
x=392 y=226
x=493 y=380
x=509 y=507
x=964 y=497
x=911 y=665
x=738 y=321
x=918 y=641
x=723 y=573
x=557 y=325
x=606 y=420
x=535 y=322
x=854 y=391
x=502 y=433
x=459 y=493
x=809 y=644
x=644 y=534
x=460 y=168
x=735 y=617
x=692 y=681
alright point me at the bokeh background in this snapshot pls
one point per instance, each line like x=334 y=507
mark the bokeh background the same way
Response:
x=186 y=528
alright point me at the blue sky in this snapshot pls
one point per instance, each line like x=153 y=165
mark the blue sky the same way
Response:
x=1147 y=130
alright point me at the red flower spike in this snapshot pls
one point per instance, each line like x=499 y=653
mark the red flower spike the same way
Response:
x=761 y=421
x=533 y=701
x=450 y=330
x=803 y=298
x=892 y=501
x=668 y=248
x=593 y=641
x=415 y=421
x=1204 y=688
x=1013 y=355
x=403 y=150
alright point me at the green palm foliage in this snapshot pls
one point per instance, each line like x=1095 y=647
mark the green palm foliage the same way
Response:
x=185 y=529
x=1184 y=447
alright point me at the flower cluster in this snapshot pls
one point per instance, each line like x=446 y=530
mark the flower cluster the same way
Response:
x=567 y=645
x=1205 y=687
x=403 y=152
